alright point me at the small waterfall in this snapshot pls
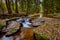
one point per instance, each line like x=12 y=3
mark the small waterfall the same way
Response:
x=26 y=23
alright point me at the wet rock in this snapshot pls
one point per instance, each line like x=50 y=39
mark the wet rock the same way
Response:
x=12 y=28
x=37 y=22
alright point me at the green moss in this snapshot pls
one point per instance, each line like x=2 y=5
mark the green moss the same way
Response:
x=41 y=37
x=12 y=30
x=2 y=26
x=56 y=25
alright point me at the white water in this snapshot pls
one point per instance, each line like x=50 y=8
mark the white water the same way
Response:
x=9 y=38
x=6 y=38
x=26 y=24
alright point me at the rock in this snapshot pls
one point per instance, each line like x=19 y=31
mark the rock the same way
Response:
x=37 y=21
x=12 y=27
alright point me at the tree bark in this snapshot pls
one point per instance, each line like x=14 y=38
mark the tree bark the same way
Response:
x=12 y=4
x=16 y=1
x=37 y=4
x=28 y=6
x=8 y=6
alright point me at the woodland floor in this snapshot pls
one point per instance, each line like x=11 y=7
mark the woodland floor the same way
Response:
x=50 y=27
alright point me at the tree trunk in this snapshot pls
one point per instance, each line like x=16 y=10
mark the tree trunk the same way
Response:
x=37 y=4
x=28 y=6
x=12 y=4
x=1 y=5
x=22 y=5
x=8 y=6
x=16 y=1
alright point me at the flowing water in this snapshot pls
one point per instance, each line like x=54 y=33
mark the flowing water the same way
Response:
x=26 y=24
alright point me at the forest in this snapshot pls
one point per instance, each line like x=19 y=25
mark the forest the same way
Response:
x=25 y=7
x=29 y=19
